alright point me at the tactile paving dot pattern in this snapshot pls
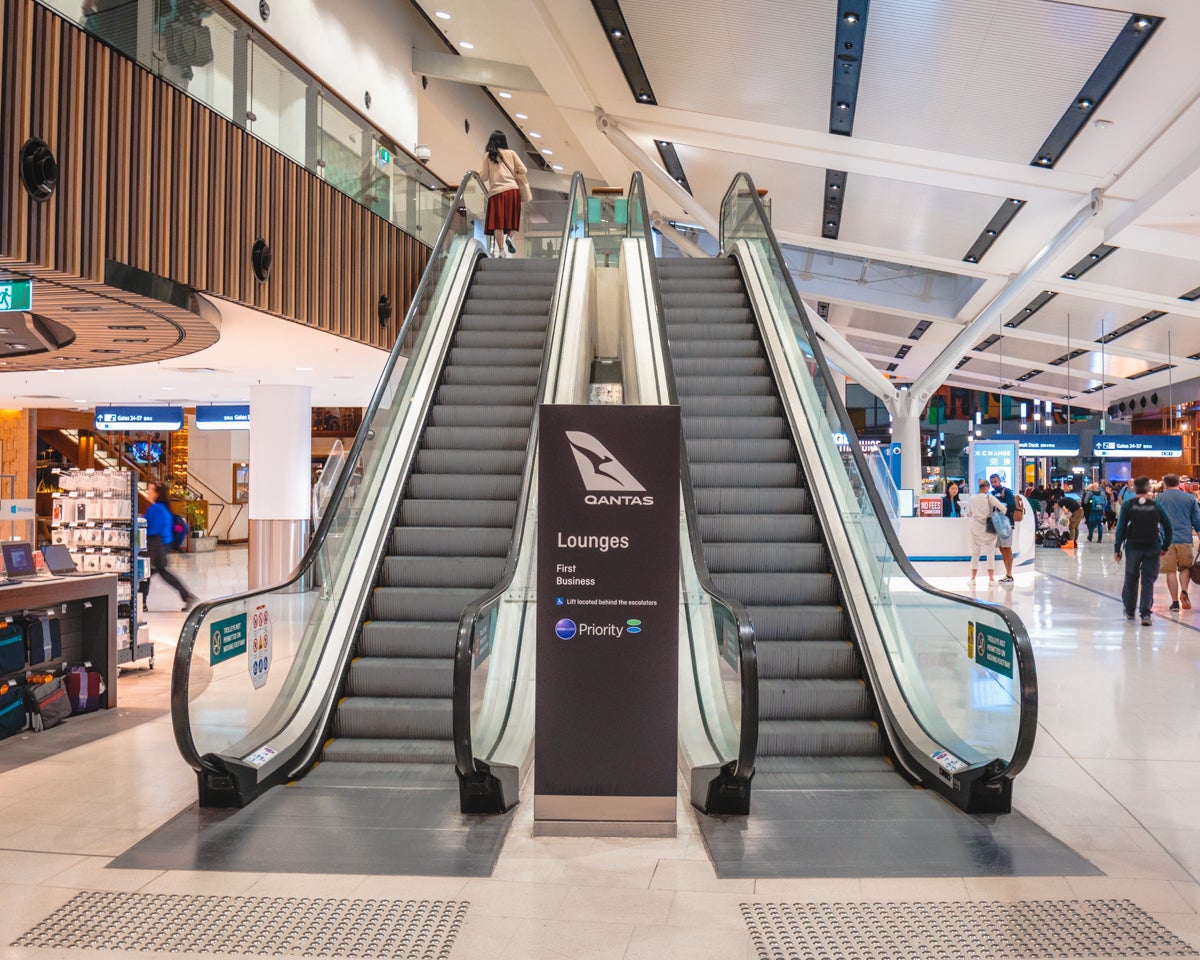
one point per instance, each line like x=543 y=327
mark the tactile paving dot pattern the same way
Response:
x=958 y=931
x=255 y=926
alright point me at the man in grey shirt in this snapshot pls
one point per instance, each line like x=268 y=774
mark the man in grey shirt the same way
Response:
x=1184 y=513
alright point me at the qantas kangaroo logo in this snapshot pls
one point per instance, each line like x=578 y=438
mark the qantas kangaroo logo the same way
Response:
x=601 y=471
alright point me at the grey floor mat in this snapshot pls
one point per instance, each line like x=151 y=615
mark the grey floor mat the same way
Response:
x=301 y=829
x=880 y=833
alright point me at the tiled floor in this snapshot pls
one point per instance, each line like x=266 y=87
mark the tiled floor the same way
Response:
x=1115 y=775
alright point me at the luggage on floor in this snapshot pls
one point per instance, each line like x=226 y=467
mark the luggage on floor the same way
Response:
x=45 y=640
x=48 y=704
x=84 y=687
x=12 y=647
x=12 y=710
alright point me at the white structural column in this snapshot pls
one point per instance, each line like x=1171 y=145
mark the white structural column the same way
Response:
x=280 y=480
x=905 y=408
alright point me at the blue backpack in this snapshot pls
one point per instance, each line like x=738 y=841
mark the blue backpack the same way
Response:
x=179 y=531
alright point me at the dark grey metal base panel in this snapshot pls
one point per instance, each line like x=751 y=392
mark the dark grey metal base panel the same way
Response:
x=252 y=926
x=303 y=829
x=880 y=833
x=958 y=931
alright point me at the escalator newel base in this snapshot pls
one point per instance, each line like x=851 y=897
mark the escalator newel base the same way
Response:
x=218 y=790
x=480 y=792
x=728 y=795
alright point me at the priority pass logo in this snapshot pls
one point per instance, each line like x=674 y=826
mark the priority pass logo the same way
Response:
x=565 y=629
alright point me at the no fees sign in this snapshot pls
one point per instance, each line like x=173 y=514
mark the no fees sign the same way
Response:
x=258 y=662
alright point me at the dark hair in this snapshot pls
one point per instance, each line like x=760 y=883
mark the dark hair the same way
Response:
x=496 y=142
x=1141 y=485
x=161 y=493
x=1171 y=480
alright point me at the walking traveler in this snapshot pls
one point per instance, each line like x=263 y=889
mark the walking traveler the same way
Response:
x=1095 y=502
x=160 y=535
x=1182 y=510
x=1144 y=530
x=1012 y=511
x=504 y=175
x=983 y=541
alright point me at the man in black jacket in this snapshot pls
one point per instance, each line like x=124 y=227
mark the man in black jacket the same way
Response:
x=1145 y=531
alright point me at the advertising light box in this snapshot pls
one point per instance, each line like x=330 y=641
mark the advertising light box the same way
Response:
x=112 y=419
x=994 y=456
x=227 y=416
x=1045 y=444
x=1125 y=448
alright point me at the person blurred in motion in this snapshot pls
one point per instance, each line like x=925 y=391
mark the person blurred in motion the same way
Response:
x=160 y=537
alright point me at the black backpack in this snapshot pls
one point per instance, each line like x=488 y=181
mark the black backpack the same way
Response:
x=1142 y=524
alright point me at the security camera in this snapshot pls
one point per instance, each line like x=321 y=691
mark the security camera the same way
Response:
x=422 y=152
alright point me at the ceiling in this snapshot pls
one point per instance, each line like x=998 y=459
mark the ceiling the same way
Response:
x=253 y=347
x=956 y=102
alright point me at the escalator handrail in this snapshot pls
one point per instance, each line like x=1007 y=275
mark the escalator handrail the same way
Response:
x=181 y=668
x=1023 y=648
x=747 y=649
x=464 y=757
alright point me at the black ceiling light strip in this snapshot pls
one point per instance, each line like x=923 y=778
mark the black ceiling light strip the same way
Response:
x=1067 y=357
x=918 y=331
x=1145 y=373
x=823 y=309
x=1191 y=295
x=847 y=64
x=1194 y=356
x=835 y=194
x=1098 y=387
x=1028 y=375
x=891 y=367
x=1131 y=326
x=1031 y=308
x=1086 y=264
x=996 y=226
x=670 y=158
x=1116 y=61
x=617 y=31
x=987 y=342
x=962 y=363
x=903 y=351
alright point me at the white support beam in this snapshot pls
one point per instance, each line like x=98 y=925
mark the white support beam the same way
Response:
x=849 y=359
x=474 y=70
x=659 y=222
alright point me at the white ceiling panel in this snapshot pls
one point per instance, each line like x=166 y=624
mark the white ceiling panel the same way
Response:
x=976 y=77
x=1146 y=272
x=913 y=217
x=770 y=61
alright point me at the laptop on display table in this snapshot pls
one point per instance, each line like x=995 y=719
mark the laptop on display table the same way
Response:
x=18 y=561
x=60 y=562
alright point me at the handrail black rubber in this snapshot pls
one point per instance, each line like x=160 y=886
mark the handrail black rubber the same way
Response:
x=181 y=668
x=1027 y=724
x=729 y=793
x=480 y=790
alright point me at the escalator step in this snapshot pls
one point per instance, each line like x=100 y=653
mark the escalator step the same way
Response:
x=745 y=474
x=532 y=288
x=462 y=415
x=740 y=451
x=692 y=349
x=450 y=541
x=421 y=603
x=502 y=307
x=800 y=659
x=475 y=438
x=777 y=557
x=490 y=357
x=495 y=375
x=363 y=751
x=464 y=486
x=735 y=500
x=717 y=428
x=727 y=366
x=814 y=622
x=502 y=270
x=395 y=638
x=687 y=296
x=776 y=589
x=725 y=386
x=500 y=339
x=759 y=527
x=728 y=329
x=483 y=395
x=676 y=287
x=470 y=461
x=827 y=773
x=395 y=677
x=819 y=738
x=386 y=718
x=458 y=513
x=813 y=699
x=496 y=322
x=477 y=572
x=731 y=407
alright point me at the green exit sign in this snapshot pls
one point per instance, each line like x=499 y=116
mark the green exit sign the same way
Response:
x=385 y=156
x=16 y=295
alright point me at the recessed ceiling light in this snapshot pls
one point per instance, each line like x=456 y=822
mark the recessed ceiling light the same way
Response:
x=835 y=187
x=1141 y=23
x=830 y=223
x=55 y=370
x=851 y=17
x=643 y=96
x=972 y=258
x=1071 y=275
x=441 y=14
x=505 y=96
x=1044 y=160
x=535 y=135
x=1086 y=103
x=1093 y=256
x=843 y=105
x=466 y=44
x=557 y=166
x=521 y=116
x=991 y=233
x=1015 y=203
x=548 y=153
x=616 y=34
x=167 y=388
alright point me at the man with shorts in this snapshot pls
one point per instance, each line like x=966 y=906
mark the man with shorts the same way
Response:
x=1009 y=499
x=1184 y=513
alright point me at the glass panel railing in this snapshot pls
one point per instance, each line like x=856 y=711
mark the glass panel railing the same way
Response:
x=496 y=630
x=206 y=50
x=301 y=629
x=717 y=629
x=963 y=668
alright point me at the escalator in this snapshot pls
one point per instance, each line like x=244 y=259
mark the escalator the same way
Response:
x=762 y=541
x=452 y=534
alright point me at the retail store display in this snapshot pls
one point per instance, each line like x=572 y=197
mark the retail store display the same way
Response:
x=48 y=704
x=12 y=647
x=43 y=637
x=95 y=517
x=12 y=710
x=84 y=688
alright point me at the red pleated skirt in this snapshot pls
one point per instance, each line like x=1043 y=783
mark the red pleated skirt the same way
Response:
x=504 y=212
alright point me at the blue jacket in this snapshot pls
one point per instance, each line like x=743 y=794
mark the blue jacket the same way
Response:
x=1183 y=512
x=160 y=522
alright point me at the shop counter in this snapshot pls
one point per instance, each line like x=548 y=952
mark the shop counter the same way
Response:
x=946 y=540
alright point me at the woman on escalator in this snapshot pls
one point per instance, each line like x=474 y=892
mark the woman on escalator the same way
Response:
x=504 y=175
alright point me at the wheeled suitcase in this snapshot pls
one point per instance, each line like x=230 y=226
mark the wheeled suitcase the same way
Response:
x=84 y=688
